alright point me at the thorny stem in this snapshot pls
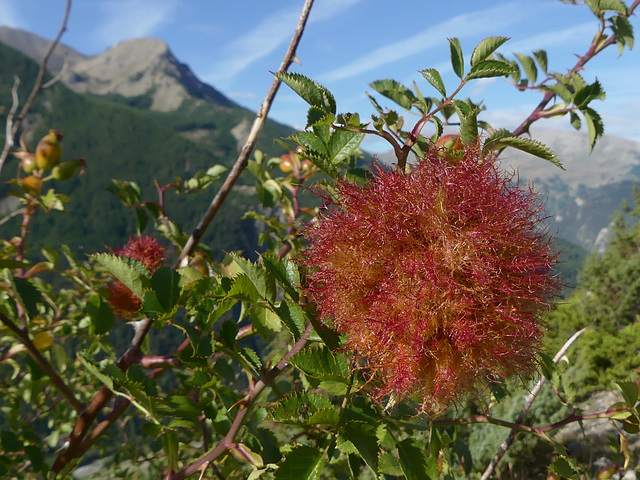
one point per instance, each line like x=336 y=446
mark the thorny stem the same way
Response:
x=244 y=408
x=243 y=158
x=89 y=414
x=595 y=48
x=14 y=122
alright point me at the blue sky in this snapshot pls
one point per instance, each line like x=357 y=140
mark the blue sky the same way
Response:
x=233 y=45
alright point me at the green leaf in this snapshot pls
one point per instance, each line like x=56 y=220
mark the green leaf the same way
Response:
x=414 y=463
x=251 y=357
x=363 y=436
x=575 y=120
x=285 y=272
x=321 y=363
x=342 y=144
x=266 y=321
x=595 y=127
x=563 y=467
x=541 y=58
x=171 y=446
x=129 y=271
x=528 y=145
x=629 y=392
x=304 y=408
x=600 y=6
x=293 y=317
x=490 y=68
x=310 y=141
x=228 y=333
x=101 y=315
x=485 y=48
x=468 y=125
x=395 y=91
x=151 y=305
x=12 y=264
x=28 y=295
x=433 y=77
x=623 y=31
x=311 y=92
x=127 y=192
x=457 y=59
x=318 y=116
x=529 y=67
x=259 y=276
x=166 y=284
x=588 y=93
x=301 y=463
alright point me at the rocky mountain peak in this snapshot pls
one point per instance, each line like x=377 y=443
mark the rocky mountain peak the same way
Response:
x=132 y=68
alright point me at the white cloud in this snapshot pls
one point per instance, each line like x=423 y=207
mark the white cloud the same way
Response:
x=266 y=37
x=124 y=19
x=467 y=24
x=9 y=15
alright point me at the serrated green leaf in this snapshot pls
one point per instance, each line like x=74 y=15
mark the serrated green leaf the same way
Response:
x=541 y=58
x=151 y=304
x=595 y=127
x=129 y=271
x=457 y=59
x=588 y=93
x=485 y=48
x=342 y=144
x=600 y=6
x=530 y=146
x=259 y=276
x=321 y=363
x=127 y=192
x=529 y=67
x=563 y=467
x=301 y=463
x=433 y=77
x=243 y=288
x=363 y=436
x=415 y=463
x=318 y=116
x=311 y=92
x=251 y=357
x=285 y=272
x=623 y=31
x=468 y=126
x=310 y=141
x=101 y=315
x=395 y=91
x=562 y=91
x=301 y=407
x=293 y=317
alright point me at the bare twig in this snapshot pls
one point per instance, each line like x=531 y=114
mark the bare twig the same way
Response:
x=529 y=399
x=14 y=122
x=243 y=158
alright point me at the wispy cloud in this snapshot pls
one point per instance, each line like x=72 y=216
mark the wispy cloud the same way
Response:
x=125 y=19
x=266 y=37
x=9 y=15
x=464 y=25
x=551 y=38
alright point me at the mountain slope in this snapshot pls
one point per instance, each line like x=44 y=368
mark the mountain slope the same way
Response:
x=134 y=143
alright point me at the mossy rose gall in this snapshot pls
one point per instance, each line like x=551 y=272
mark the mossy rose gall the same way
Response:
x=437 y=277
x=148 y=251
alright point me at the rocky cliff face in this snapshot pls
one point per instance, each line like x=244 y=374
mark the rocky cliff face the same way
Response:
x=134 y=68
